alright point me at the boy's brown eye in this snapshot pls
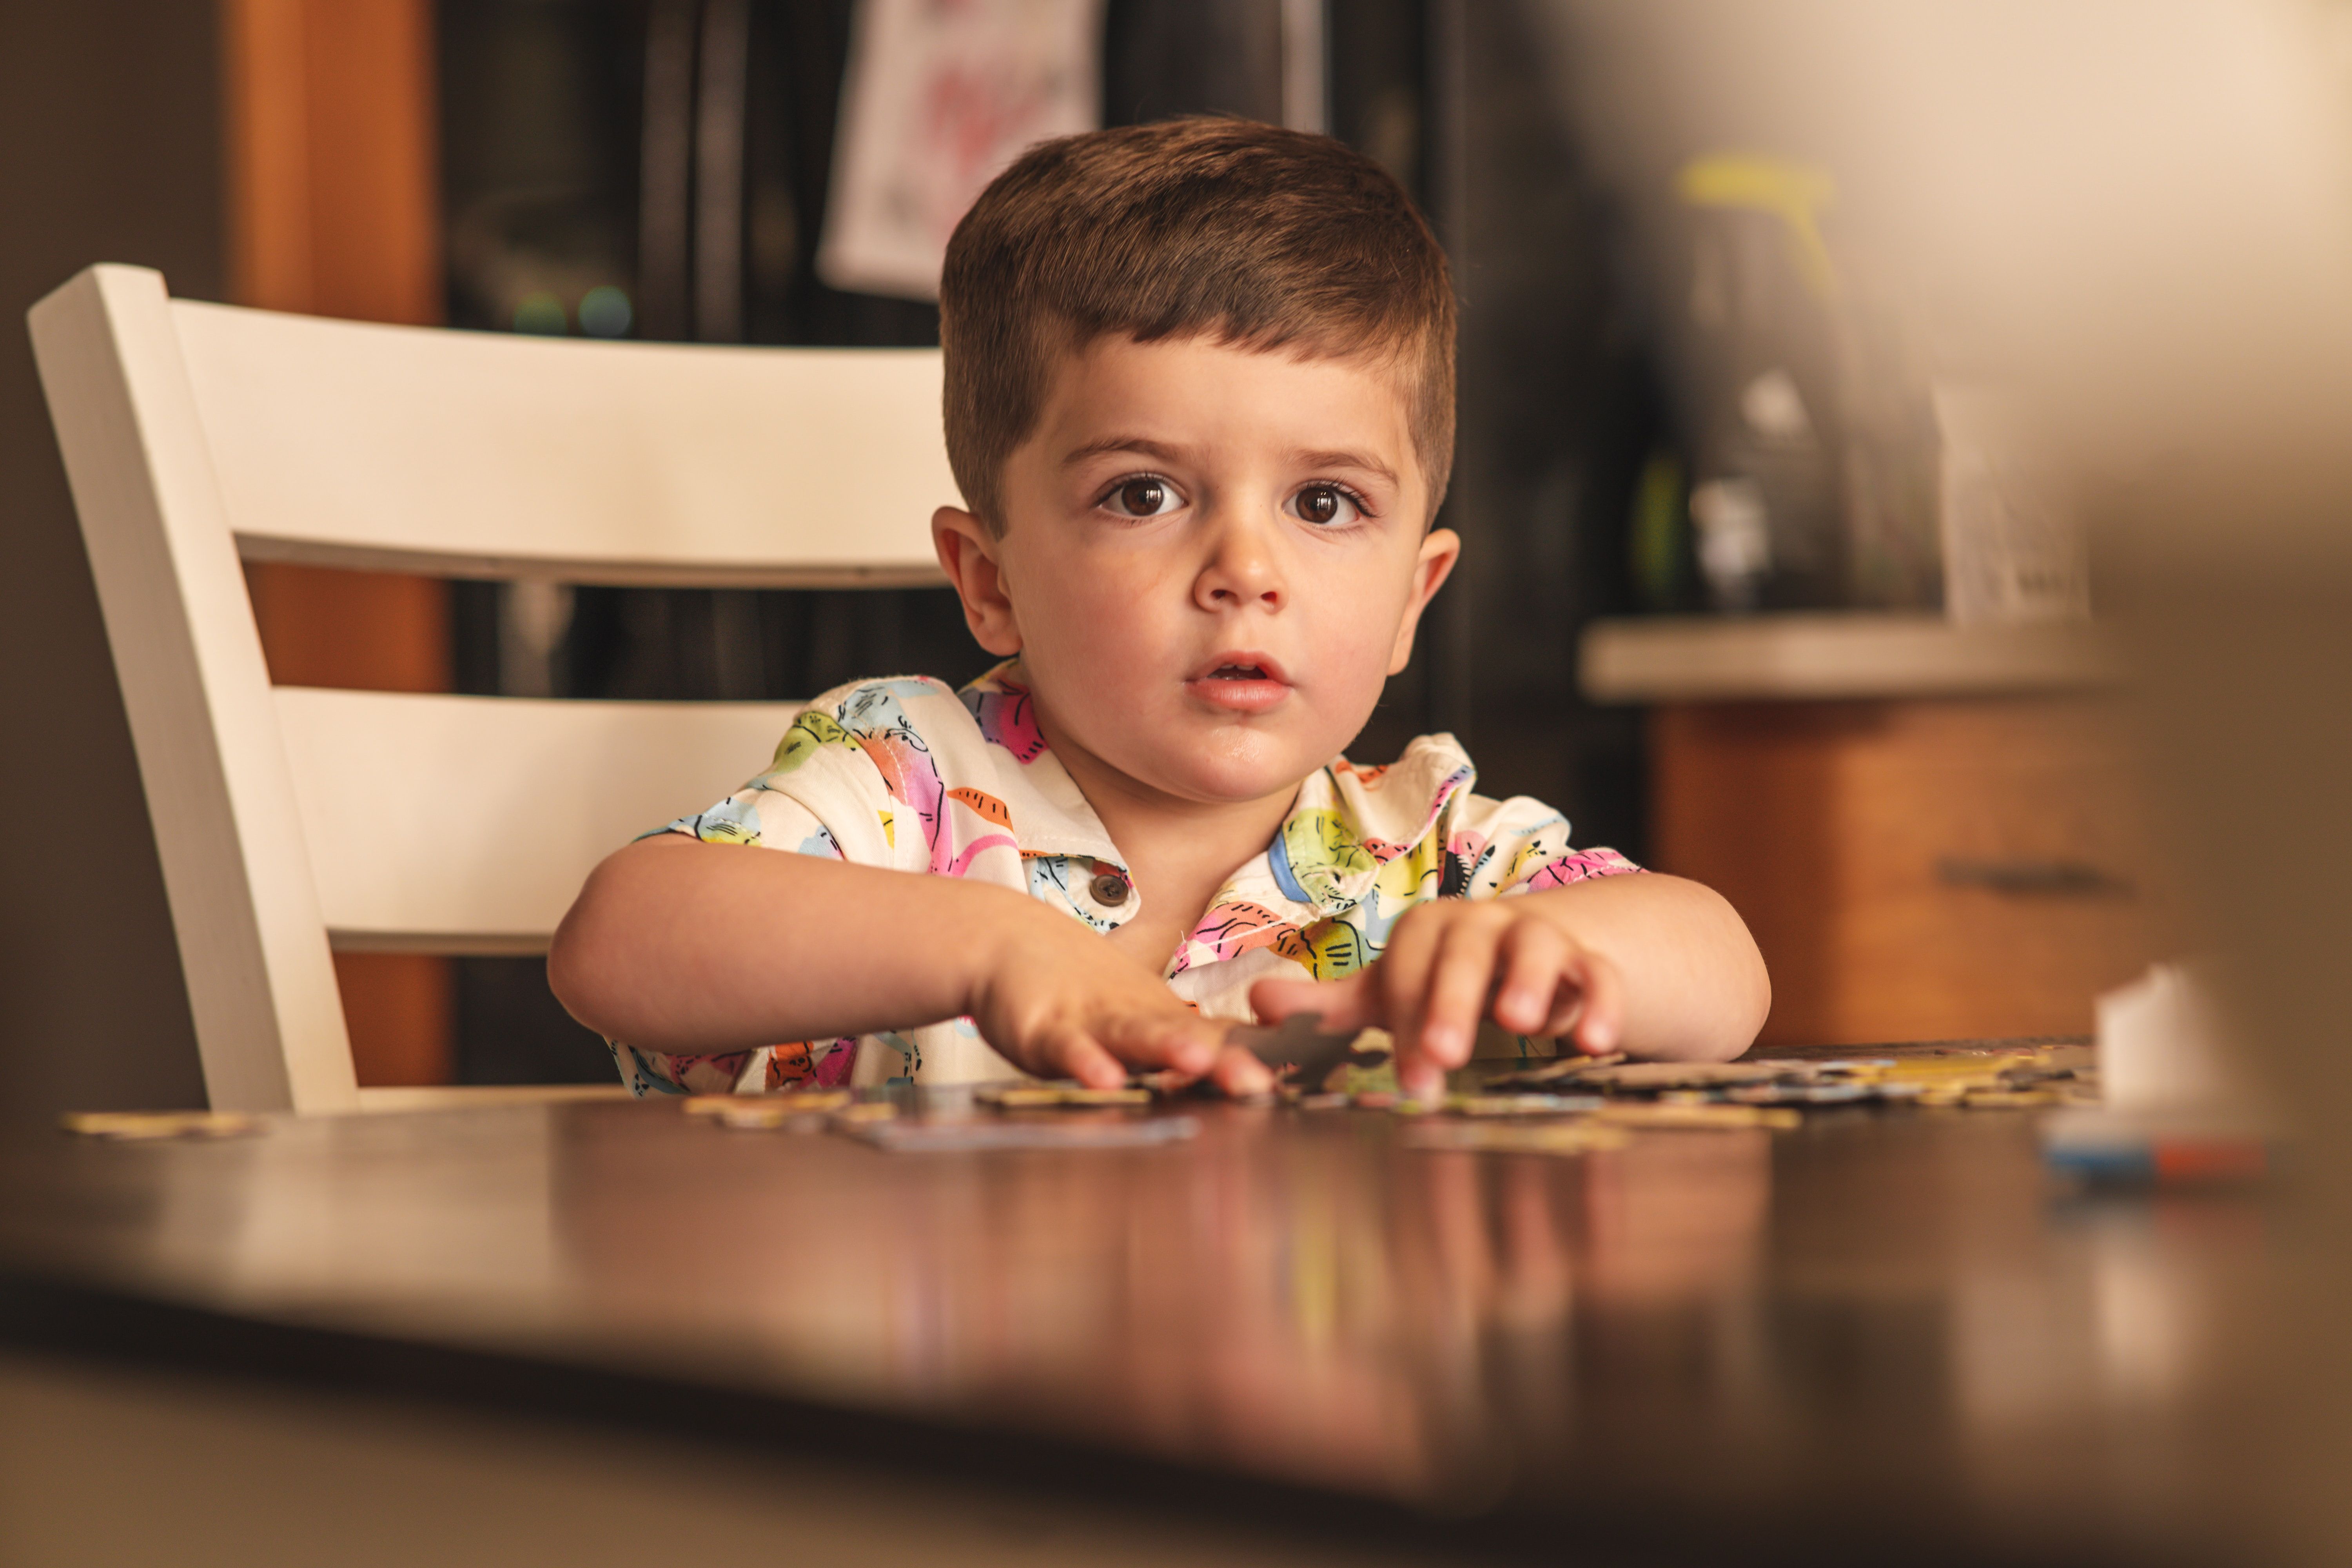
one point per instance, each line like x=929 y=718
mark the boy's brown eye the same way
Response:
x=1322 y=504
x=1142 y=498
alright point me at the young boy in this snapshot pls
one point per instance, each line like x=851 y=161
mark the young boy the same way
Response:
x=1200 y=400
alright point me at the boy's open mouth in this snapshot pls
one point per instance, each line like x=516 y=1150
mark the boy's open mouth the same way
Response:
x=1241 y=664
x=1241 y=680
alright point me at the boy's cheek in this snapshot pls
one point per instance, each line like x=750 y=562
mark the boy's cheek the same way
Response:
x=1361 y=644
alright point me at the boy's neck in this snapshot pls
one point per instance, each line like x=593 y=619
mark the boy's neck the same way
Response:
x=1179 y=852
x=1142 y=820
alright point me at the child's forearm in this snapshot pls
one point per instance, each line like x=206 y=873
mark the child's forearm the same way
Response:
x=680 y=946
x=1695 y=987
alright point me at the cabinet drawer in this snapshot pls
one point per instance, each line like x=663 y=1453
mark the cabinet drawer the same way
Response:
x=1918 y=869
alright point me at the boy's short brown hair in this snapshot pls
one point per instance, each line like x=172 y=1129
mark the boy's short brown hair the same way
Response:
x=1263 y=237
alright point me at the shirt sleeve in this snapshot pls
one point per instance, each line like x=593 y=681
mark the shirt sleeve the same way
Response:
x=757 y=817
x=853 y=780
x=1519 y=846
x=819 y=771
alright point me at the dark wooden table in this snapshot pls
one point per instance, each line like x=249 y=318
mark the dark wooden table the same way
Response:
x=1883 y=1336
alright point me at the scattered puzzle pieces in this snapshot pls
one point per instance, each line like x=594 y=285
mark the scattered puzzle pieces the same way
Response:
x=1656 y=1076
x=1974 y=1080
x=1571 y=1106
x=1300 y=1048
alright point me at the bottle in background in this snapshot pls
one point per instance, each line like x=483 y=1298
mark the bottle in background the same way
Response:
x=1758 y=346
x=2013 y=544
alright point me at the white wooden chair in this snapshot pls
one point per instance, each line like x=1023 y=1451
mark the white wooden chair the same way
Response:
x=290 y=820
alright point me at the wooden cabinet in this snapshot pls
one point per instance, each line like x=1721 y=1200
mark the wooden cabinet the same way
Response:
x=334 y=212
x=1916 y=867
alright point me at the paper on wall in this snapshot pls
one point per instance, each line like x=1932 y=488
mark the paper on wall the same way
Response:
x=941 y=95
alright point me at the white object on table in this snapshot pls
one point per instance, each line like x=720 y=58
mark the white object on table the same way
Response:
x=2164 y=1045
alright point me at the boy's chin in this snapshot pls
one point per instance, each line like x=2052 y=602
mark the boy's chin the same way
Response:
x=1244 y=773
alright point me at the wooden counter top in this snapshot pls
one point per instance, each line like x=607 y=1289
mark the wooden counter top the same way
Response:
x=1834 y=655
x=1880 y=1337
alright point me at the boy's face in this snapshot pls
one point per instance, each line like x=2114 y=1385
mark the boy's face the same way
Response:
x=1213 y=559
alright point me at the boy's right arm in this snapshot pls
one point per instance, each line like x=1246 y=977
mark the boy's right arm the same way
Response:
x=689 y=948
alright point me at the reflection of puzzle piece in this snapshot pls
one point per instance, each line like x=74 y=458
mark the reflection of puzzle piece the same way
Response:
x=1301 y=1044
x=956 y=1137
x=799 y=1102
x=1519 y=1104
x=149 y=1126
x=1653 y=1115
x=1514 y=1138
x=1049 y=1096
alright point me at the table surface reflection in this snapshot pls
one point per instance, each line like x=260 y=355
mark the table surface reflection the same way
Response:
x=1887 y=1325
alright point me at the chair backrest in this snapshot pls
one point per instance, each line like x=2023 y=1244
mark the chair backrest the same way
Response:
x=287 y=818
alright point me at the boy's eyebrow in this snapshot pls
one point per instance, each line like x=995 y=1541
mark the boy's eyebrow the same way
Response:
x=1145 y=445
x=1347 y=460
x=1165 y=453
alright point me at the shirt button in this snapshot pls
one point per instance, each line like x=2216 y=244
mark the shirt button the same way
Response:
x=1110 y=892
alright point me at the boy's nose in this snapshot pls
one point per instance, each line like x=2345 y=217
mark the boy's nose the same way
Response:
x=1240 y=571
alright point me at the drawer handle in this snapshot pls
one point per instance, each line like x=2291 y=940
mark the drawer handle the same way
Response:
x=2067 y=877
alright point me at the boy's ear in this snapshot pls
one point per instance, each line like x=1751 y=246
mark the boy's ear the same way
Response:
x=967 y=555
x=1439 y=551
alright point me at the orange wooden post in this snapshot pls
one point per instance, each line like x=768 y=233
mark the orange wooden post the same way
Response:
x=334 y=212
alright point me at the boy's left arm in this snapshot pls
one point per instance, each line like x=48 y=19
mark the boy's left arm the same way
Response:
x=1650 y=964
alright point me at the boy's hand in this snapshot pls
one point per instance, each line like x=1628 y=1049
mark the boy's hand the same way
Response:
x=1060 y=1002
x=1448 y=964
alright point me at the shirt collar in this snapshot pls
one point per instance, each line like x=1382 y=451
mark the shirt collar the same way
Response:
x=999 y=702
x=1348 y=822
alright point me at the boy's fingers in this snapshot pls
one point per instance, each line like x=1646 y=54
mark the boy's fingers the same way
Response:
x=1187 y=1044
x=1240 y=1074
x=1401 y=979
x=1421 y=1079
x=1398 y=978
x=1067 y=1053
x=1566 y=1006
x=1458 y=984
x=1097 y=1069
x=1345 y=1004
x=1530 y=960
x=1200 y=1043
x=1601 y=1025
x=1588 y=1005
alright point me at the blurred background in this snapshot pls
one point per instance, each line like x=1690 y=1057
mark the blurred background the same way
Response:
x=1829 y=372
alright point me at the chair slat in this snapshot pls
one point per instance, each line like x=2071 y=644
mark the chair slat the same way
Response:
x=468 y=824
x=490 y=455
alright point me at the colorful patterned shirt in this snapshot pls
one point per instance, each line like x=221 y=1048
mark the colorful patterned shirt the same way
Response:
x=908 y=774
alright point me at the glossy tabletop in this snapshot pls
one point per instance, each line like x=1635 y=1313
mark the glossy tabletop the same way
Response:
x=1888 y=1327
